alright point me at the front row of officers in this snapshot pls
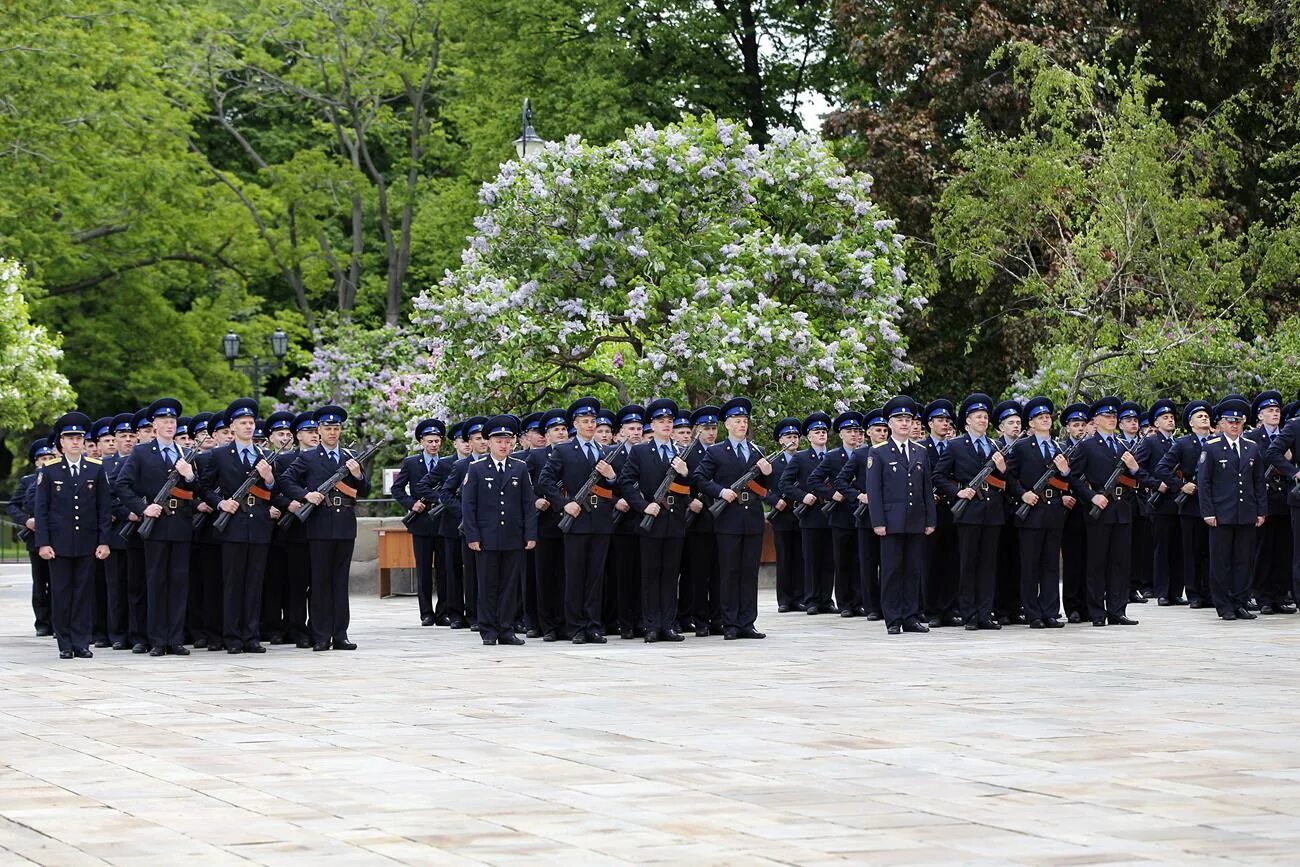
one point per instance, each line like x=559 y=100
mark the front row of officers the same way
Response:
x=660 y=530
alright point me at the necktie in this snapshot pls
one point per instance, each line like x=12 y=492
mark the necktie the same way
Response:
x=74 y=472
x=167 y=455
x=942 y=446
x=1114 y=445
x=744 y=452
x=663 y=452
x=979 y=448
x=1047 y=451
x=248 y=460
x=907 y=454
x=334 y=456
x=820 y=455
x=1202 y=442
x=501 y=468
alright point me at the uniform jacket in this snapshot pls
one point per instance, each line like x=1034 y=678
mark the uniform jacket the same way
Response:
x=1178 y=467
x=498 y=510
x=567 y=470
x=1156 y=445
x=72 y=518
x=548 y=522
x=900 y=494
x=956 y=467
x=17 y=508
x=221 y=474
x=702 y=523
x=1025 y=466
x=1277 y=484
x=942 y=502
x=642 y=472
x=795 y=484
x=626 y=525
x=822 y=480
x=718 y=469
x=138 y=481
x=1092 y=465
x=412 y=470
x=430 y=487
x=783 y=519
x=1231 y=487
x=336 y=518
x=1277 y=453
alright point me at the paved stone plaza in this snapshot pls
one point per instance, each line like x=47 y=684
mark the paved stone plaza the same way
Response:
x=1174 y=741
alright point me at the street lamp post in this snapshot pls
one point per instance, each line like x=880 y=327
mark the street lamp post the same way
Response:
x=529 y=142
x=257 y=368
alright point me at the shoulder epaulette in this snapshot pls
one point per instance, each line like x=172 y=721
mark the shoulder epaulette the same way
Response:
x=881 y=445
x=1212 y=440
x=91 y=460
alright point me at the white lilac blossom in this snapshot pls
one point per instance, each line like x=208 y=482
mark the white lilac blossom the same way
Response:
x=31 y=388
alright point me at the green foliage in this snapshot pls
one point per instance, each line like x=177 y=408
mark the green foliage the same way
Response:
x=31 y=388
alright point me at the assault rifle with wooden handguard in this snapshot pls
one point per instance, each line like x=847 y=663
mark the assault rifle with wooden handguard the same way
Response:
x=716 y=507
x=168 y=490
x=328 y=485
x=1115 y=478
x=1047 y=478
x=983 y=475
x=666 y=483
x=431 y=509
x=219 y=523
x=583 y=499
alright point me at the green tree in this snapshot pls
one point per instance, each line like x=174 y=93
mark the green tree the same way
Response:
x=31 y=388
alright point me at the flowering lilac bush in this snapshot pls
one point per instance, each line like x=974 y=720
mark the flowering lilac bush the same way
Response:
x=31 y=388
x=683 y=261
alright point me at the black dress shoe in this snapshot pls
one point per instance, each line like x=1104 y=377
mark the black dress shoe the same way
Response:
x=277 y=638
x=895 y=630
x=533 y=633
x=178 y=650
x=235 y=649
x=594 y=637
x=1245 y=614
x=200 y=642
x=990 y=624
x=511 y=639
x=812 y=609
x=157 y=651
x=1074 y=617
x=935 y=622
x=1177 y=600
x=458 y=624
x=489 y=642
x=303 y=643
x=319 y=647
x=550 y=636
x=1266 y=609
x=83 y=653
x=1285 y=608
x=1163 y=601
x=1123 y=621
x=751 y=632
x=121 y=645
x=627 y=634
x=65 y=654
x=1196 y=603
x=701 y=632
x=972 y=626
x=873 y=616
x=831 y=609
x=579 y=638
x=215 y=645
x=847 y=612
x=782 y=609
x=140 y=648
x=1037 y=624
x=102 y=642
x=442 y=620
x=1136 y=596
x=473 y=627
x=427 y=620
x=44 y=632
x=1053 y=623
x=672 y=635
x=915 y=626
x=344 y=644
x=254 y=648
x=1099 y=621
x=1228 y=615
x=651 y=636
x=953 y=620
x=730 y=634
x=687 y=625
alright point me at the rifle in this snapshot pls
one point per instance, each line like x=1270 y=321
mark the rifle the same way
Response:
x=716 y=507
x=665 y=483
x=1113 y=478
x=328 y=485
x=431 y=510
x=220 y=522
x=982 y=476
x=1043 y=481
x=146 y=523
x=23 y=534
x=583 y=498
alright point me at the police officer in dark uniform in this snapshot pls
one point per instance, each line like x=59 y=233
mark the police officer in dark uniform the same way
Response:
x=207 y=605
x=567 y=471
x=624 y=560
x=73 y=521
x=814 y=526
x=424 y=530
x=1234 y=503
x=939 y=577
x=1177 y=470
x=1040 y=529
x=500 y=519
x=740 y=525
x=130 y=550
x=1272 y=579
x=699 y=600
x=1074 y=541
x=900 y=500
x=1166 y=553
x=851 y=482
x=464 y=589
x=246 y=537
x=548 y=556
x=786 y=536
x=1006 y=586
x=980 y=524
x=275 y=603
x=292 y=540
x=21 y=511
x=100 y=445
x=448 y=562
x=531 y=439
x=1110 y=547
x=646 y=467
x=331 y=527
x=844 y=531
x=1130 y=430
x=1281 y=454
x=167 y=550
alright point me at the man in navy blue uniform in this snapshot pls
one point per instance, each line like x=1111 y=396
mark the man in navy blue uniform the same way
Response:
x=1166 y=554
x=167 y=550
x=1108 y=535
x=20 y=510
x=623 y=565
x=331 y=526
x=424 y=530
x=980 y=524
x=814 y=526
x=699 y=604
x=844 y=533
x=500 y=519
x=645 y=468
x=207 y=596
x=450 y=607
x=1234 y=503
x=939 y=576
x=548 y=556
x=1040 y=529
x=463 y=585
x=739 y=527
x=1281 y=453
x=1141 y=584
x=110 y=573
x=246 y=538
x=786 y=535
x=586 y=545
x=275 y=600
x=1271 y=582
x=1177 y=470
x=1074 y=541
x=73 y=520
x=899 y=495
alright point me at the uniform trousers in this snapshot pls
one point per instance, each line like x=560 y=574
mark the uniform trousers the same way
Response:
x=243 y=566
x=423 y=548
x=789 y=567
x=584 y=581
x=71 y=605
x=901 y=556
x=1232 y=550
x=137 y=594
x=498 y=574
x=1166 y=557
x=1074 y=562
x=848 y=577
x=1272 y=572
x=40 y=592
x=699 y=596
x=1040 y=572
x=941 y=572
x=818 y=566
x=115 y=587
x=330 y=613
x=1195 y=544
x=167 y=575
x=660 y=559
x=977 y=548
x=1110 y=548
x=549 y=576
x=738 y=558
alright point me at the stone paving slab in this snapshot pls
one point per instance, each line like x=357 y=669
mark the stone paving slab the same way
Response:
x=831 y=742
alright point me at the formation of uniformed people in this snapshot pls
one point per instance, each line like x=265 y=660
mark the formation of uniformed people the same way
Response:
x=151 y=531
